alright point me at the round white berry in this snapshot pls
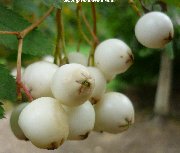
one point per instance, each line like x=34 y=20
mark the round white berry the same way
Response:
x=48 y=58
x=14 y=122
x=100 y=84
x=44 y=122
x=113 y=56
x=72 y=84
x=81 y=120
x=37 y=78
x=114 y=113
x=154 y=30
x=76 y=57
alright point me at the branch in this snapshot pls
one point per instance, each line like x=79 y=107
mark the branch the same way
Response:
x=134 y=6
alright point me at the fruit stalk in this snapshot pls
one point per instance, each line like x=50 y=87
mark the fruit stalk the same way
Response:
x=58 y=51
x=95 y=39
x=79 y=24
x=134 y=7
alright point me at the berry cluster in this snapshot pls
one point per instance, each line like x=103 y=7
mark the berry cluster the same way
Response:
x=71 y=100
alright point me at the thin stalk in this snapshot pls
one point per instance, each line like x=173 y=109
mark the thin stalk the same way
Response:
x=9 y=32
x=79 y=45
x=37 y=23
x=58 y=55
x=95 y=41
x=18 y=78
x=79 y=25
x=134 y=7
x=62 y=37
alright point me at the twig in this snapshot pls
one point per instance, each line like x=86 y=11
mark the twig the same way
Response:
x=79 y=45
x=134 y=6
x=36 y=24
x=9 y=32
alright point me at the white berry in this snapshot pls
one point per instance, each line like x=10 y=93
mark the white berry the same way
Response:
x=72 y=84
x=76 y=57
x=114 y=113
x=154 y=30
x=113 y=56
x=100 y=84
x=37 y=78
x=48 y=58
x=81 y=121
x=14 y=121
x=44 y=123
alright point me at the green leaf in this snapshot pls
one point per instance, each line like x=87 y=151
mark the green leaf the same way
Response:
x=55 y=3
x=35 y=43
x=1 y=111
x=7 y=85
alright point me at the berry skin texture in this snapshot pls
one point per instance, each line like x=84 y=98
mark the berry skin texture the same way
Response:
x=37 y=78
x=76 y=57
x=113 y=56
x=100 y=84
x=154 y=30
x=114 y=113
x=44 y=122
x=14 y=121
x=72 y=84
x=81 y=121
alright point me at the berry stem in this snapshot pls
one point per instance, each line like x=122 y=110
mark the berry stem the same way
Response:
x=78 y=11
x=18 y=78
x=62 y=37
x=95 y=39
x=134 y=7
x=58 y=53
